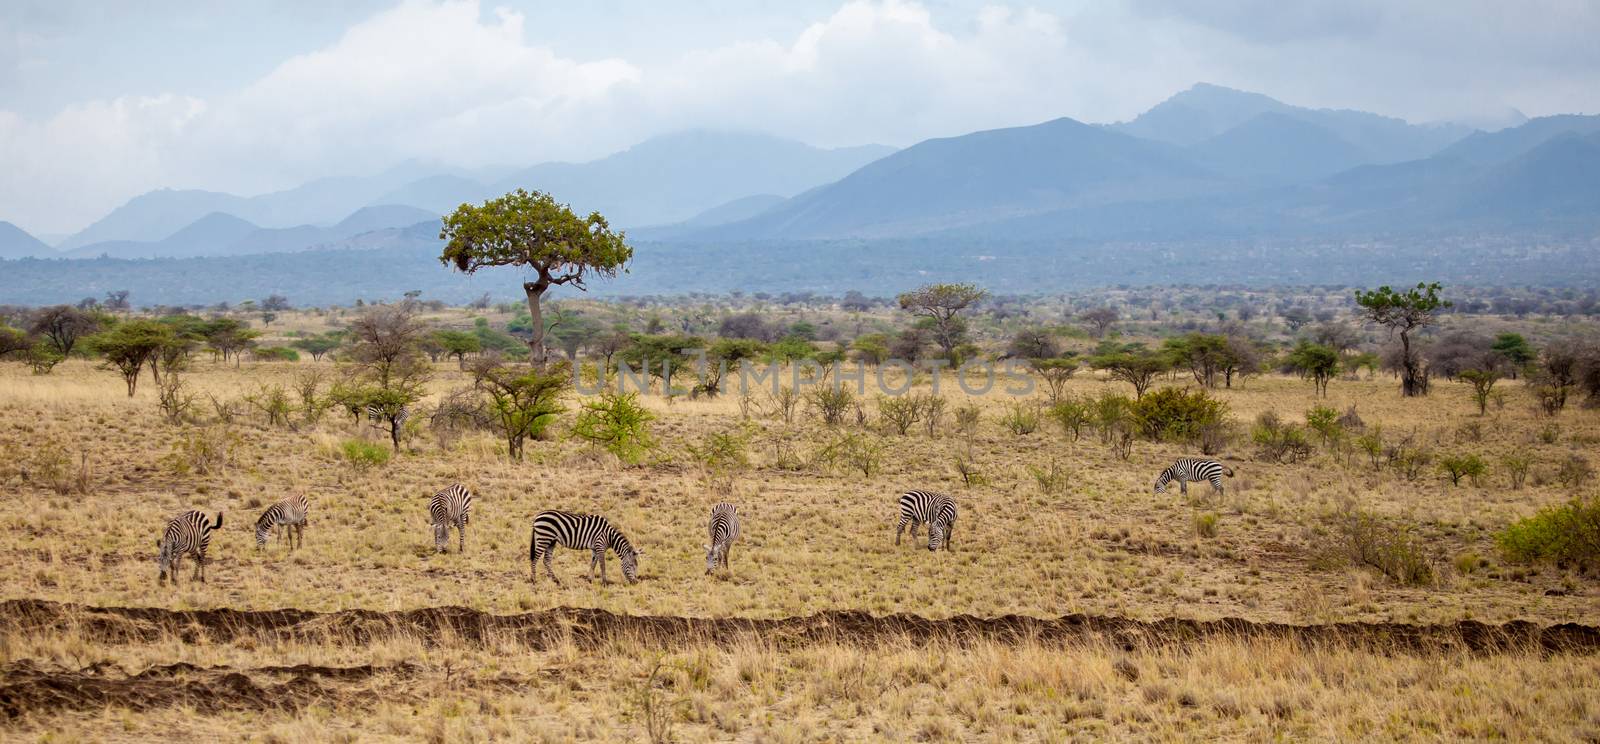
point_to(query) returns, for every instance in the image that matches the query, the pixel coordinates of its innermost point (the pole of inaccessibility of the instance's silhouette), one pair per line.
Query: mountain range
(1208, 163)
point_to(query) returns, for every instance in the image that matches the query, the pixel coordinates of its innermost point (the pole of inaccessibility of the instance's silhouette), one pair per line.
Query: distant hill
(1278, 147)
(219, 234)
(1498, 147)
(17, 243)
(661, 180)
(981, 177)
(1205, 111)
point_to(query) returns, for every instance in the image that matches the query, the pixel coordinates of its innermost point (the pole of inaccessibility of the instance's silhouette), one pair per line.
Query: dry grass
(815, 537)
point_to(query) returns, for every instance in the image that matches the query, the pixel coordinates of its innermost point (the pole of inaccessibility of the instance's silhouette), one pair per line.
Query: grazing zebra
(724, 531)
(379, 414)
(937, 510)
(580, 532)
(449, 508)
(1195, 469)
(186, 533)
(291, 514)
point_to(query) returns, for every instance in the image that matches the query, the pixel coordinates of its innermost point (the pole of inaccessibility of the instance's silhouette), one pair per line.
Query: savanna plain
(1075, 603)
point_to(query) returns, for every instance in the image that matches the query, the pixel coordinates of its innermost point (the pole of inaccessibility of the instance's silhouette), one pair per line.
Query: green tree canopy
(533, 231)
(942, 304)
(1402, 313)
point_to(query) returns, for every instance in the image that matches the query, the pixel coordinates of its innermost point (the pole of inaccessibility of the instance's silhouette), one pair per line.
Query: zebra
(186, 533)
(935, 509)
(580, 532)
(724, 531)
(1195, 469)
(291, 514)
(378, 414)
(450, 508)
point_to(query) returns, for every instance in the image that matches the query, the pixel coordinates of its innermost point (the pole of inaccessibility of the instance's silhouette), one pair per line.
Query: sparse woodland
(1472, 500)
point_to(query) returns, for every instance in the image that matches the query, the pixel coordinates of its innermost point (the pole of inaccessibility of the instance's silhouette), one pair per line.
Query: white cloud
(452, 81)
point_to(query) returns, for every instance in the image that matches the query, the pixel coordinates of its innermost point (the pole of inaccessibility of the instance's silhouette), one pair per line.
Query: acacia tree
(1101, 318)
(532, 230)
(1402, 313)
(522, 402)
(942, 304)
(131, 345)
(63, 325)
(1315, 362)
(1137, 368)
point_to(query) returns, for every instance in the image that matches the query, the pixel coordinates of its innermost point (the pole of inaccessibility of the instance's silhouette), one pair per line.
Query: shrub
(967, 468)
(1366, 540)
(1463, 466)
(275, 354)
(899, 414)
(1325, 422)
(722, 452)
(854, 451)
(202, 452)
(1175, 414)
(1566, 534)
(1022, 420)
(1113, 416)
(1278, 441)
(1072, 415)
(1410, 460)
(364, 455)
(1516, 467)
(1205, 525)
(1371, 443)
(1214, 438)
(1052, 480)
(618, 423)
(1550, 434)
(175, 398)
(967, 419)
(832, 401)
(1574, 471)
(273, 402)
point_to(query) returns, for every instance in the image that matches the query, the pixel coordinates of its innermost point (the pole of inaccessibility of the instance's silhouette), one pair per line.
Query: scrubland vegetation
(1473, 500)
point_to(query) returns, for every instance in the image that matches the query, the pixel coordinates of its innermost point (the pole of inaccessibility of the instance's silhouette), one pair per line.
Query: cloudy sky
(102, 101)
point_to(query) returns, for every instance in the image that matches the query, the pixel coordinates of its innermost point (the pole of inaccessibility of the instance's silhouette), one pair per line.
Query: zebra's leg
(726, 549)
(1216, 484)
(949, 534)
(600, 557)
(901, 528)
(461, 529)
(199, 568)
(1183, 486)
(547, 568)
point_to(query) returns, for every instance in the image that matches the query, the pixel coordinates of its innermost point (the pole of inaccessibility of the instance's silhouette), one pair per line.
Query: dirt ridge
(587, 627)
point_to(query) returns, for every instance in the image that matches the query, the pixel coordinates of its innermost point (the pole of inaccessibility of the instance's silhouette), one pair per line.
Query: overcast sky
(102, 101)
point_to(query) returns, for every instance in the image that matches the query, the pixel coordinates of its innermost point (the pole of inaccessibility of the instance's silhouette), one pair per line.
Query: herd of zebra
(189, 533)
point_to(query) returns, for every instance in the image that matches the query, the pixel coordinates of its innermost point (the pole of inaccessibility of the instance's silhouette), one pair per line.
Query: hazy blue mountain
(220, 234)
(1555, 182)
(438, 194)
(153, 216)
(1278, 147)
(1502, 146)
(17, 243)
(1205, 111)
(669, 179)
(981, 177)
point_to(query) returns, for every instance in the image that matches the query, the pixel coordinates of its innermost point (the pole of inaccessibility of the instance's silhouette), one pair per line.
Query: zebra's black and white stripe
(188, 533)
(580, 532)
(936, 510)
(450, 508)
(379, 414)
(724, 530)
(290, 514)
(1195, 469)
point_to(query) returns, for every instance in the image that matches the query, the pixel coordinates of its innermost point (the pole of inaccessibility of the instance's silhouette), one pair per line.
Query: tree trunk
(1410, 383)
(535, 292)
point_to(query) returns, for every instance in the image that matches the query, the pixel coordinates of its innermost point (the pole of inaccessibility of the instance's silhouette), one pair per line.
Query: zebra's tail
(218, 525)
(1227, 471)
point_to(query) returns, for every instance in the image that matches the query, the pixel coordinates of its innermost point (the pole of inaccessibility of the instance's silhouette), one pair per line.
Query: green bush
(1023, 419)
(1205, 525)
(1391, 549)
(1325, 422)
(1177, 415)
(364, 455)
(617, 422)
(1463, 466)
(1566, 534)
(1072, 415)
(722, 451)
(1278, 441)
(275, 354)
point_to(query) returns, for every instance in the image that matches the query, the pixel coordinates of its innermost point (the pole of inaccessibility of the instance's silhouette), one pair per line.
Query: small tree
(533, 231)
(1315, 362)
(942, 304)
(1055, 373)
(393, 372)
(64, 325)
(617, 422)
(1482, 381)
(458, 344)
(1137, 368)
(129, 347)
(522, 402)
(316, 346)
(275, 303)
(1515, 350)
(1101, 318)
(1402, 313)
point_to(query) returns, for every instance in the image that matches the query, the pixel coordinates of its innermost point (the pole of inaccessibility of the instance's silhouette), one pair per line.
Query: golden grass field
(816, 538)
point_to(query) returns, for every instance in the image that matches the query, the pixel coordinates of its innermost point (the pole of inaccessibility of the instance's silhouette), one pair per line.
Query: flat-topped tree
(1402, 313)
(534, 231)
